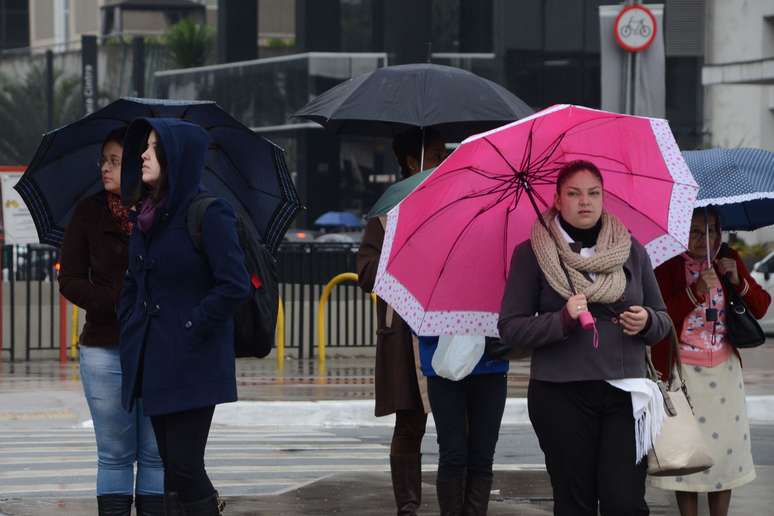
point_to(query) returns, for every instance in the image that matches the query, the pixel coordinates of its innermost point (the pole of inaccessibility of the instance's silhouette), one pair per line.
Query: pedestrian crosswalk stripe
(239, 461)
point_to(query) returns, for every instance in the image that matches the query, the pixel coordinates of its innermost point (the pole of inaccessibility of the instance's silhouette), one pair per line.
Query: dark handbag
(741, 327)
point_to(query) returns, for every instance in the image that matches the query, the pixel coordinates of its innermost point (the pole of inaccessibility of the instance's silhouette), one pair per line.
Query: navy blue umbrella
(738, 183)
(247, 170)
(339, 218)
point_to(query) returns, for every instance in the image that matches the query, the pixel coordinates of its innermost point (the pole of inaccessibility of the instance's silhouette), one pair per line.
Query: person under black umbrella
(421, 106)
(400, 387)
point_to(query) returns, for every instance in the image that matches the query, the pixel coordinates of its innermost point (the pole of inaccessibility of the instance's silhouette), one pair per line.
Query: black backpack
(256, 319)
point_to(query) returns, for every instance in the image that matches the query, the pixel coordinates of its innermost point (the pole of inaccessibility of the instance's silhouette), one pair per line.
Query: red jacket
(671, 280)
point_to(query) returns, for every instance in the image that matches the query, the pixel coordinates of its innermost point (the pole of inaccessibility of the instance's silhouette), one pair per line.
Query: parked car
(763, 273)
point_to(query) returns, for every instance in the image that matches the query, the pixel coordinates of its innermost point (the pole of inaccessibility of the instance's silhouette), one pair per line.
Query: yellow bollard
(280, 336)
(326, 294)
(74, 334)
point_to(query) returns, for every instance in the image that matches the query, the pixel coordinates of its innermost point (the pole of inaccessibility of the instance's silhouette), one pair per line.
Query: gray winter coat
(531, 321)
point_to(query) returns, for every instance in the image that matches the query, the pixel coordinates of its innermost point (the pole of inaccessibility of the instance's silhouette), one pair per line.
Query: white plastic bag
(457, 355)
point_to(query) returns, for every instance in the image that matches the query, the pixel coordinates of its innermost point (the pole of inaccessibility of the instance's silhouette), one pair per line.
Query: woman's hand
(576, 304)
(707, 281)
(634, 320)
(728, 266)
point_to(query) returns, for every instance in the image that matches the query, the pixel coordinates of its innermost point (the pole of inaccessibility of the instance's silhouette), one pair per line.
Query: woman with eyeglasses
(696, 302)
(94, 260)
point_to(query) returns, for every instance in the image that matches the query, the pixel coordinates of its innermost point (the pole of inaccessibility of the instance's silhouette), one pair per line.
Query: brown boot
(407, 482)
(477, 490)
(450, 489)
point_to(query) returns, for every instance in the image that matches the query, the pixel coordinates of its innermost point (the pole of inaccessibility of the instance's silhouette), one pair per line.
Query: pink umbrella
(448, 245)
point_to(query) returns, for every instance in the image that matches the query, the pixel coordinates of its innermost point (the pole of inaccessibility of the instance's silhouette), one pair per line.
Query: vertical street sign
(632, 54)
(89, 73)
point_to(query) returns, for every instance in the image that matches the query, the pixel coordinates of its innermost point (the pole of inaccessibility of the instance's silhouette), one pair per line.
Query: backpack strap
(195, 216)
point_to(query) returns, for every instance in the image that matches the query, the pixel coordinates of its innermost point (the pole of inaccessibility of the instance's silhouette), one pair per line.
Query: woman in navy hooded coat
(177, 305)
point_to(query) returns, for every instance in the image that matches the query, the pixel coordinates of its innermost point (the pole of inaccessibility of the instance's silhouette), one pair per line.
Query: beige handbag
(679, 448)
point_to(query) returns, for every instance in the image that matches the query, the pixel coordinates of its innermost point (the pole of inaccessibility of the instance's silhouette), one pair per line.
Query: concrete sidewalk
(526, 493)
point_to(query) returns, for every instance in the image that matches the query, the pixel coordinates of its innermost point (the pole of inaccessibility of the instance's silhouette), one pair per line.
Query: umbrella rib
(545, 156)
(456, 241)
(436, 213)
(497, 150)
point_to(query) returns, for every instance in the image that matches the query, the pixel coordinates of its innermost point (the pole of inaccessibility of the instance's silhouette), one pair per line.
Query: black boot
(172, 505)
(477, 490)
(210, 506)
(450, 489)
(406, 473)
(114, 505)
(149, 505)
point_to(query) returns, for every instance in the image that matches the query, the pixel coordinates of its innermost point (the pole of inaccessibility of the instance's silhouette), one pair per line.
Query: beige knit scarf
(612, 251)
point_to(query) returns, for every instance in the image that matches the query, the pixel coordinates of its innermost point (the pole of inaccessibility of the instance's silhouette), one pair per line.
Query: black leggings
(181, 438)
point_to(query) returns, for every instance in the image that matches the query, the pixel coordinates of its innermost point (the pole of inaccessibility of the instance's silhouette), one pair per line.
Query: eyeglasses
(112, 163)
(697, 234)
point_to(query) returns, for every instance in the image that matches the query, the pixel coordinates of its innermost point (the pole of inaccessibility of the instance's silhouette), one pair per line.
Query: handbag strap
(674, 353)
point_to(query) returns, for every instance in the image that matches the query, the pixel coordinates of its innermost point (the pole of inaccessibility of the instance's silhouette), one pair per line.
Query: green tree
(24, 113)
(190, 44)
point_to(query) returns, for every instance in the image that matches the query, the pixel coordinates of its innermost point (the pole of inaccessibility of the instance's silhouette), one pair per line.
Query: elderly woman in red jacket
(711, 363)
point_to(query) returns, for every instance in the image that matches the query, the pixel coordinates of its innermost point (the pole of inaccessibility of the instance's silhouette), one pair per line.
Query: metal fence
(35, 324)
(29, 323)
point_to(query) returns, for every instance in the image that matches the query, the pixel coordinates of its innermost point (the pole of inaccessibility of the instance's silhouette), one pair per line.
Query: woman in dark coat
(581, 391)
(177, 306)
(94, 254)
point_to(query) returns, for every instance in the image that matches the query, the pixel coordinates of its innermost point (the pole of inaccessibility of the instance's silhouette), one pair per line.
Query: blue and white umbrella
(738, 183)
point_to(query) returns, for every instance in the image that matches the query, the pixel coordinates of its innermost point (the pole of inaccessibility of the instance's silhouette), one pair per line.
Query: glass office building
(544, 51)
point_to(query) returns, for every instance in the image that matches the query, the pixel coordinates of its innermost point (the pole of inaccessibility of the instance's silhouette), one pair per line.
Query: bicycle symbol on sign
(638, 27)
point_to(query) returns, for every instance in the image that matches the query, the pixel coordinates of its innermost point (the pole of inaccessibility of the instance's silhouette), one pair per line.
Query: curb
(760, 410)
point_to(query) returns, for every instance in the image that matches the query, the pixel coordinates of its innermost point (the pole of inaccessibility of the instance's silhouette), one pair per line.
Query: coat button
(157, 308)
(188, 324)
(139, 258)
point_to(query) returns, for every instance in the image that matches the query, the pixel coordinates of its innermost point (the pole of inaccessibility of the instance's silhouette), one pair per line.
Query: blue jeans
(123, 438)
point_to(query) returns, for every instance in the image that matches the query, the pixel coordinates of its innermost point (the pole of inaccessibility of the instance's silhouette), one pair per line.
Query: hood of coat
(185, 148)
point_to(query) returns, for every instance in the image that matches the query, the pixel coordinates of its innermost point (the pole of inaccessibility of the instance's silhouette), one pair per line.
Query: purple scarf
(147, 215)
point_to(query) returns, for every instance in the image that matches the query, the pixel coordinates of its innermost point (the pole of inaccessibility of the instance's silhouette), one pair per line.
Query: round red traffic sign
(635, 28)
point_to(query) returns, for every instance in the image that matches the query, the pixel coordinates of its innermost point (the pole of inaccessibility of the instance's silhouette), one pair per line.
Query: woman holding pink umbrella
(583, 383)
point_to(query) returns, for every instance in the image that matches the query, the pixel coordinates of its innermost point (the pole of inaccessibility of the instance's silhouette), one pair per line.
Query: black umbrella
(393, 99)
(242, 167)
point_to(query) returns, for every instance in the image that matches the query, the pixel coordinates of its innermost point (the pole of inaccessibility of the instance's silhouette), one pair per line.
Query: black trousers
(467, 417)
(586, 431)
(181, 438)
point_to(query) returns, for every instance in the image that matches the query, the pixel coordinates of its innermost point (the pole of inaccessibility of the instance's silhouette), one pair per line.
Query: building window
(14, 24)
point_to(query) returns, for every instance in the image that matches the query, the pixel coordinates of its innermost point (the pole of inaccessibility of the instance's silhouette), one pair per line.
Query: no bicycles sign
(635, 28)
